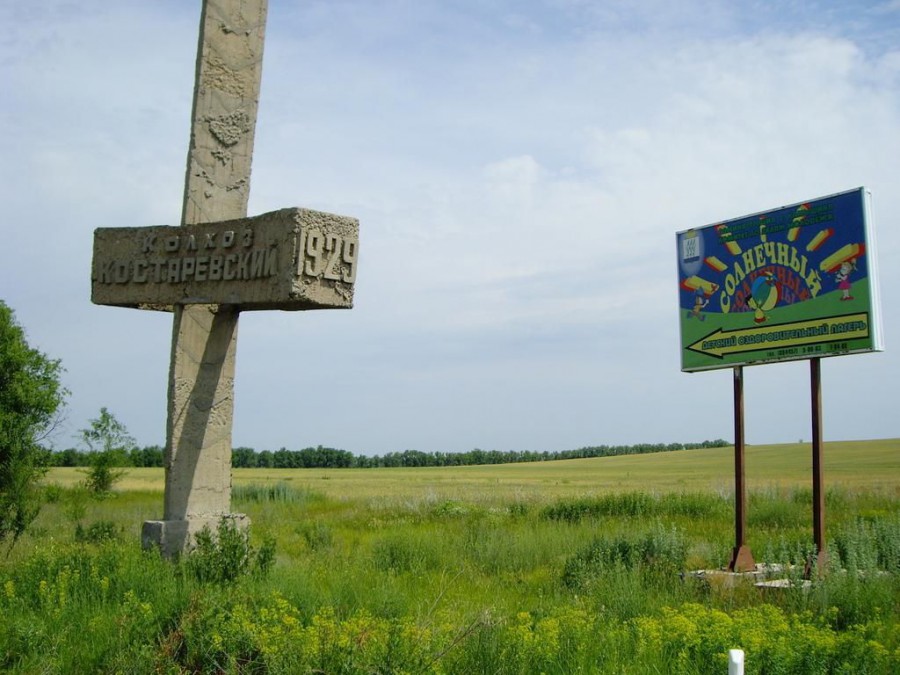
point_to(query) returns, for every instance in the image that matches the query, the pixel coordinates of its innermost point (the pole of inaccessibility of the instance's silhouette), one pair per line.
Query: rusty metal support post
(742, 558)
(817, 468)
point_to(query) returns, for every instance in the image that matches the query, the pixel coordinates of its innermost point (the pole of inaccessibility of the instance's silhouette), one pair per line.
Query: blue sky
(519, 170)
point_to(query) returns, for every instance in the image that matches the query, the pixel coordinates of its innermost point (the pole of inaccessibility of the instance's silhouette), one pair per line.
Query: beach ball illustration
(763, 295)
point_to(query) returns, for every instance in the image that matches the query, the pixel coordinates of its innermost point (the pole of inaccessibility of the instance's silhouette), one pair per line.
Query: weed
(448, 509)
(76, 503)
(318, 535)
(96, 533)
(401, 554)
(869, 544)
(277, 493)
(53, 493)
(466, 580)
(662, 549)
(227, 555)
(638, 504)
(769, 510)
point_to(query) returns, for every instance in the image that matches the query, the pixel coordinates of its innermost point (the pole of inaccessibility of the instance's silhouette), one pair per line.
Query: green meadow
(576, 566)
(856, 465)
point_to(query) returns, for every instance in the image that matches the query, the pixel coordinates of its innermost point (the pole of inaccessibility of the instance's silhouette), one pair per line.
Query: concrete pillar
(204, 340)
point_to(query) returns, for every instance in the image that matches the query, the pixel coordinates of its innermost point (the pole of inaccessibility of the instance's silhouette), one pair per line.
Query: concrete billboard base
(174, 537)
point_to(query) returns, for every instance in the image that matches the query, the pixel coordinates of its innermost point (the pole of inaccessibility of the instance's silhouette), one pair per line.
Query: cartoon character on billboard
(763, 296)
(843, 278)
(700, 301)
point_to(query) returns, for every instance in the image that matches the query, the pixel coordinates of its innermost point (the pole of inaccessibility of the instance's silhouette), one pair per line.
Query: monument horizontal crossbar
(292, 259)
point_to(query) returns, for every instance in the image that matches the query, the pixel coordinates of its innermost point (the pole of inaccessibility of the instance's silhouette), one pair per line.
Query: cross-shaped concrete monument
(215, 265)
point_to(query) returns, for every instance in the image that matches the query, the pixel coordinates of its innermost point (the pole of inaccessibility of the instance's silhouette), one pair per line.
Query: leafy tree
(148, 456)
(243, 458)
(67, 457)
(109, 444)
(31, 398)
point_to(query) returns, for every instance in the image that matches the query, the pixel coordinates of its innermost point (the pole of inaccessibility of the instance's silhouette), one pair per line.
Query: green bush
(102, 530)
(226, 555)
(449, 509)
(869, 544)
(53, 492)
(694, 640)
(76, 608)
(31, 397)
(109, 444)
(794, 548)
(102, 475)
(661, 549)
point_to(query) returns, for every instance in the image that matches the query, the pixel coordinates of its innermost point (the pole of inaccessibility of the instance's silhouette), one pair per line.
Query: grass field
(578, 566)
(856, 465)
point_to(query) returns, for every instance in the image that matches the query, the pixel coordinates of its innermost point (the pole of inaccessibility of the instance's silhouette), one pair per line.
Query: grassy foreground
(560, 567)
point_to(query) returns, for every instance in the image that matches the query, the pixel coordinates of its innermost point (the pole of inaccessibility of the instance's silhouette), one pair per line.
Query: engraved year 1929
(327, 255)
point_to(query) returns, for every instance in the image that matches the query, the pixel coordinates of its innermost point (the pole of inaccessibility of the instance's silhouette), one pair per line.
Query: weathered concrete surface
(292, 259)
(217, 186)
(173, 537)
(226, 97)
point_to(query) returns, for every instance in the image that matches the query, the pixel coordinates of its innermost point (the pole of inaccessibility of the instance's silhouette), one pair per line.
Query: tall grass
(637, 503)
(445, 584)
(275, 493)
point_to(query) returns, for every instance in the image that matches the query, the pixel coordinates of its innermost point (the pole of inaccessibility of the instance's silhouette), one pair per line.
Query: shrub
(661, 549)
(109, 443)
(102, 530)
(30, 397)
(102, 475)
(869, 544)
(53, 493)
(227, 555)
(695, 639)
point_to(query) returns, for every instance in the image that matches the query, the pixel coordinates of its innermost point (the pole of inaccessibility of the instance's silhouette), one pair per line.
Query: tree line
(321, 457)
(32, 397)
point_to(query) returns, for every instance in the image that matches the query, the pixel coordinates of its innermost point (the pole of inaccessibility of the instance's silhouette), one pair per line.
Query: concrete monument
(215, 265)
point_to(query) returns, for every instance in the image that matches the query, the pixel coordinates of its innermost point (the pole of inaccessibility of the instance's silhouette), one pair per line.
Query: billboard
(797, 282)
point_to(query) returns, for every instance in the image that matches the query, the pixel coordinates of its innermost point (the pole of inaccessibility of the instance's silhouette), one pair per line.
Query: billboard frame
(775, 285)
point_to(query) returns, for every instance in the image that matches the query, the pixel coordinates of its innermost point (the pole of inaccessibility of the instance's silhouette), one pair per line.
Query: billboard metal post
(817, 467)
(742, 558)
